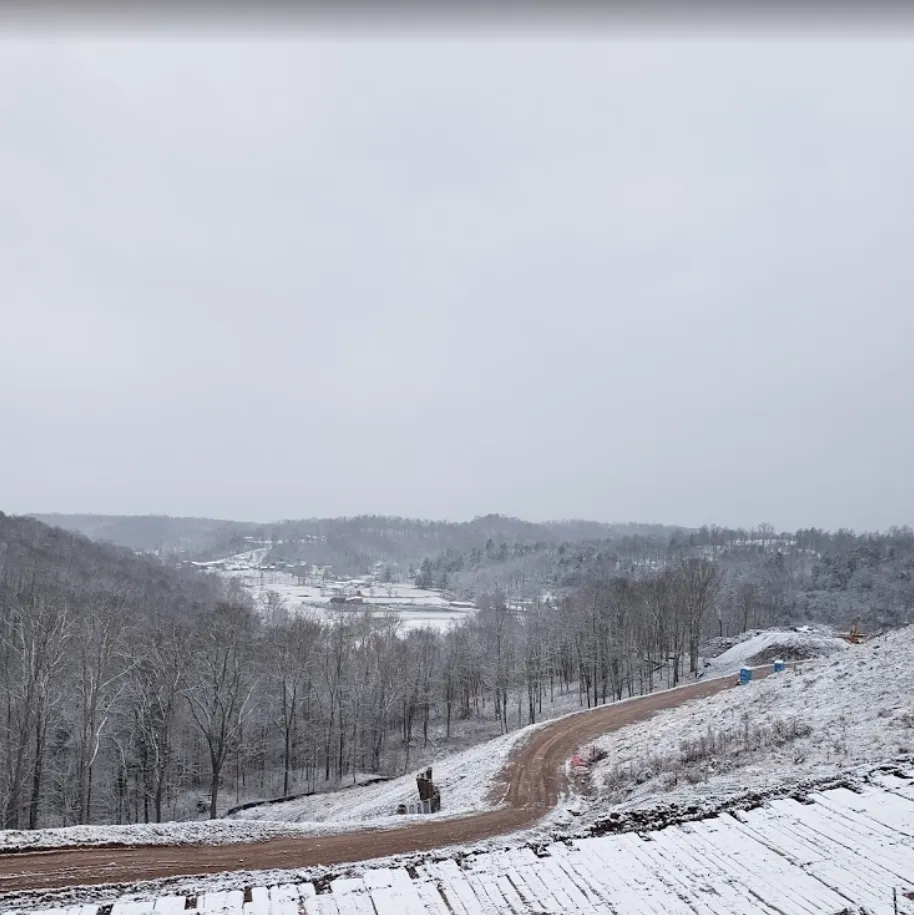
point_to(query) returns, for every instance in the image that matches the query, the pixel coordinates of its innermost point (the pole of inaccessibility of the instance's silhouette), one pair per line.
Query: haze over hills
(351, 544)
(150, 533)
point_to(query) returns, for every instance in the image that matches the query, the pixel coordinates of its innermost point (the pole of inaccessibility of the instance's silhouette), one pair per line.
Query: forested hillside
(82, 630)
(767, 577)
(160, 534)
(350, 545)
(132, 692)
(812, 573)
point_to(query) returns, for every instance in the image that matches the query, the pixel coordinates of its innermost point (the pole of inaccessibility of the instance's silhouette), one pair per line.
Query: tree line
(130, 692)
(130, 695)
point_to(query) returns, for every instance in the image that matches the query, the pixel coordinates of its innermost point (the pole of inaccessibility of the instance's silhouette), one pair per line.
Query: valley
(316, 592)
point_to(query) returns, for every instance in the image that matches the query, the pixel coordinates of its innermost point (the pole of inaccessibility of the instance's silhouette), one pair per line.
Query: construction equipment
(429, 795)
(854, 636)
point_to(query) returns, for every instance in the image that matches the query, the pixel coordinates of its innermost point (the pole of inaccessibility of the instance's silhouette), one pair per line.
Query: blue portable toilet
(745, 675)
(779, 665)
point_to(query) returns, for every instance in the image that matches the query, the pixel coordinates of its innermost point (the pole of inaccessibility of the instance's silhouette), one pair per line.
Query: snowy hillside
(318, 594)
(765, 646)
(463, 778)
(820, 718)
(824, 717)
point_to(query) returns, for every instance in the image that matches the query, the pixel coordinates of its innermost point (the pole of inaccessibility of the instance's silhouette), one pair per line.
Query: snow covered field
(839, 851)
(414, 607)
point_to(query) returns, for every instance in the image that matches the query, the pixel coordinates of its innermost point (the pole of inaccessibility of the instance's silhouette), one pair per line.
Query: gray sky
(635, 278)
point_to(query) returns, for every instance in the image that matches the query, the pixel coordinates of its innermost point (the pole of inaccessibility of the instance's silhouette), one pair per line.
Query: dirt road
(530, 785)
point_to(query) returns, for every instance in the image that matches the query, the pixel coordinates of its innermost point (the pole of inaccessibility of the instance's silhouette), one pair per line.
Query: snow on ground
(816, 719)
(464, 780)
(838, 851)
(238, 562)
(209, 832)
(764, 646)
(415, 607)
(857, 707)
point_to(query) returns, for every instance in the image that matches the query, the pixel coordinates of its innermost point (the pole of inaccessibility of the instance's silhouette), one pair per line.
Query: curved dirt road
(529, 784)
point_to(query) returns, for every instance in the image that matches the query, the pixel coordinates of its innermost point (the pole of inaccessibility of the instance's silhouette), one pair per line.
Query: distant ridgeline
(776, 577)
(350, 545)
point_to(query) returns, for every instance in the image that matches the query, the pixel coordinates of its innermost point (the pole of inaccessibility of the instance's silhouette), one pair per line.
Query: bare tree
(699, 582)
(293, 657)
(220, 685)
(158, 682)
(34, 632)
(101, 669)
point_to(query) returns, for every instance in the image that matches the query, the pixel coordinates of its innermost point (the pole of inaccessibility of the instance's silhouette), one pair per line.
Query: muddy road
(530, 785)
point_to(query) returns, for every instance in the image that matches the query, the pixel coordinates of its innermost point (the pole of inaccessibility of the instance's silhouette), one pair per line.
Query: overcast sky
(631, 278)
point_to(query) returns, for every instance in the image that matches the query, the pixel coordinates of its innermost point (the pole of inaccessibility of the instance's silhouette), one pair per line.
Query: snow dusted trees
(221, 684)
(130, 696)
(292, 656)
(500, 638)
(103, 662)
(156, 696)
(698, 581)
(75, 618)
(34, 635)
(130, 692)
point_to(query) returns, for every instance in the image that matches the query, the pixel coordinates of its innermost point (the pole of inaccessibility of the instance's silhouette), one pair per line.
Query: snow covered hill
(820, 718)
(821, 851)
(464, 779)
(765, 646)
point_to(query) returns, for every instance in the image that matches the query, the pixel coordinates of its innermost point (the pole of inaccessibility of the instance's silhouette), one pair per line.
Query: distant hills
(48, 563)
(345, 543)
(153, 533)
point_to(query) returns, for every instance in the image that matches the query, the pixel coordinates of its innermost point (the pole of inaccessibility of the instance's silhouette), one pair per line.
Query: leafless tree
(220, 685)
